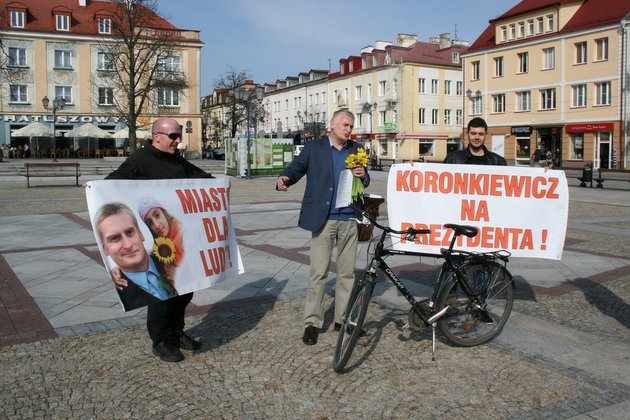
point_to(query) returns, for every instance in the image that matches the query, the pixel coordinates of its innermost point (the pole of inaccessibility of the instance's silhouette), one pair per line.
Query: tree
(140, 63)
(235, 112)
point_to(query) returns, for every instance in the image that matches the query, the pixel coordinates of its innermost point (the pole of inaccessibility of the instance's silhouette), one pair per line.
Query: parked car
(218, 153)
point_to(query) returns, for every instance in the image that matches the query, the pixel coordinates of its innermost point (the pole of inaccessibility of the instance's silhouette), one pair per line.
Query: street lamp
(244, 95)
(57, 103)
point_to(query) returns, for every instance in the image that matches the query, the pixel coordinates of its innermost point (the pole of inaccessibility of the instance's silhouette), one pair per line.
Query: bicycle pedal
(402, 327)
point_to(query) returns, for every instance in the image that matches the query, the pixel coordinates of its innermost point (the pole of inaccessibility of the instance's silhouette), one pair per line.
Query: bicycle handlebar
(367, 219)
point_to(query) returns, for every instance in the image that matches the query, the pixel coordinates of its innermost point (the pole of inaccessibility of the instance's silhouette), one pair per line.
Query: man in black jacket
(476, 153)
(158, 159)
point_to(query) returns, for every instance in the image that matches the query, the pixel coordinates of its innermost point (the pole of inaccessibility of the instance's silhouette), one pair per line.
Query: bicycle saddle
(469, 231)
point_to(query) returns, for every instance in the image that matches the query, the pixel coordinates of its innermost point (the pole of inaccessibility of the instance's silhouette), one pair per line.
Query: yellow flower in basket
(357, 159)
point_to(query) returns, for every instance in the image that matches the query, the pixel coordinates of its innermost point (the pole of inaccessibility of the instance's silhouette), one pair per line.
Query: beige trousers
(343, 235)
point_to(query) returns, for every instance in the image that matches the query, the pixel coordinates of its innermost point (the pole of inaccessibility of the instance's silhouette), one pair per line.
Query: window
(104, 61)
(530, 27)
(523, 62)
(577, 146)
(447, 87)
(447, 117)
(498, 103)
(422, 88)
(19, 94)
(170, 97)
(541, 25)
(422, 116)
(550, 23)
(357, 92)
(498, 66)
(580, 53)
(168, 64)
(547, 99)
(357, 122)
(364, 62)
(388, 57)
(602, 95)
(426, 147)
(105, 96)
(459, 87)
(17, 18)
(351, 66)
(17, 57)
(435, 116)
(63, 59)
(521, 29)
(286, 104)
(455, 58)
(346, 96)
(523, 101)
(459, 118)
(382, 118)
(434, 85)
(382, 87)
(335, 94)
(368, 92)
(512, 31)
(503, 33)
(475, 70)
(64, 92)
(63, 22)
(475, 105)
(549, 58)
(374, 61)
(579, 96)
(104, 26)
(602, 49)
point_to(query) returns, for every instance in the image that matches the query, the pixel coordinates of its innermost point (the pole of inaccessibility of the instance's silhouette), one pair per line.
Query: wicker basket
(371, 206)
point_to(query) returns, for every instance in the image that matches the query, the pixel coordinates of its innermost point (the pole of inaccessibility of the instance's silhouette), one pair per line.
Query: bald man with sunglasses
(159, 159)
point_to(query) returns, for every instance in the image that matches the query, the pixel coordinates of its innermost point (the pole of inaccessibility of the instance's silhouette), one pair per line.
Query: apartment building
(548, 74)
(297, 106)
(55, 49)
(407, 97)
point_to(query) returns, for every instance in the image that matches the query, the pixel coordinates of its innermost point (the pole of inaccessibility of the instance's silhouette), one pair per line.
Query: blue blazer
(315, 161)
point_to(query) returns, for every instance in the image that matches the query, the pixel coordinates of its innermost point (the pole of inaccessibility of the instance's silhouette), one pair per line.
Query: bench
(50, 170)
(599, 179)
(377, 164)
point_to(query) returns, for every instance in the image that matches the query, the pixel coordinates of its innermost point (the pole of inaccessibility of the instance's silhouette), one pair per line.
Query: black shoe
(167, 352)
(186, 342)
(337, 327)
(310, 335)
(483, 317)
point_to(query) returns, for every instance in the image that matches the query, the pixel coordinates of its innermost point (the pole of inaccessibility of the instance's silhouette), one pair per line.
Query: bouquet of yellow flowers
(356, 159)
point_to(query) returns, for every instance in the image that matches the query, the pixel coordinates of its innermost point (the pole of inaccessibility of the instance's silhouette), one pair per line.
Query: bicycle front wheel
(353, 320)
(474, 320)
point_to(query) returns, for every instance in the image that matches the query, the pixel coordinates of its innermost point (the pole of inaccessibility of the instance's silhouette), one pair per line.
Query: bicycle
(471, 301)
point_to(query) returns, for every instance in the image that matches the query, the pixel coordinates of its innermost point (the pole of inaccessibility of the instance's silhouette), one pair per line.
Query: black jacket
(151, 163)
(464, 156)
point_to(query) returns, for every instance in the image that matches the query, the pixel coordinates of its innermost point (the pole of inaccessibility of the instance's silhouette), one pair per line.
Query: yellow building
(56, 49)
(407, 98)
(547, 74)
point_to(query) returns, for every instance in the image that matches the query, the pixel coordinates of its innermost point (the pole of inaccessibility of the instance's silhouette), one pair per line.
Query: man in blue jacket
(323, 161)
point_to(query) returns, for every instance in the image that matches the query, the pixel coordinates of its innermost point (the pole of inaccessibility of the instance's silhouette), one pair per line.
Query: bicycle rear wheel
(471, 321)
(353, 320)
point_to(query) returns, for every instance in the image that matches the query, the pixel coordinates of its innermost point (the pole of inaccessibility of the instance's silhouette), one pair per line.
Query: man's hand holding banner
(522, 210)
(163, 238)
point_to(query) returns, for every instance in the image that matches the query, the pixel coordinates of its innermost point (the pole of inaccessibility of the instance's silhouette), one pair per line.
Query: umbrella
(34, 129)
(124, 134)
(89, 130)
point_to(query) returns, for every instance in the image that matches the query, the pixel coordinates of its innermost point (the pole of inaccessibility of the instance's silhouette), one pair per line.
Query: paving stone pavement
(68, 351)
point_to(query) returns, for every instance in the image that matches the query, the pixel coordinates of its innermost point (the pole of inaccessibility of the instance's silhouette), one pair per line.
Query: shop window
(522, 148)
(577, 146)
(426, 148)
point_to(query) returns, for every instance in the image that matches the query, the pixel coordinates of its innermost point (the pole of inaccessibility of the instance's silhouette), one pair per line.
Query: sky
(273, 39)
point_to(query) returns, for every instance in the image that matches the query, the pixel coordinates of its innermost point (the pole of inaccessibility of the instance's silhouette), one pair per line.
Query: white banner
(168, 237)
(521, 210)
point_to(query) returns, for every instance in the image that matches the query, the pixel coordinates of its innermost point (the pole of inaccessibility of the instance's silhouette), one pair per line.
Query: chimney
(83, 3)
(406, 40)
(445, 40)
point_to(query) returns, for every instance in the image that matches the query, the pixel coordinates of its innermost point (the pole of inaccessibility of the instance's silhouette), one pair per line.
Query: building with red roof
(550, 74)
(56, 49)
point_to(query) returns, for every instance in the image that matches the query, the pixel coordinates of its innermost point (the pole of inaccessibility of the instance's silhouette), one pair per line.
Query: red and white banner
(168, 237)
(521, 210)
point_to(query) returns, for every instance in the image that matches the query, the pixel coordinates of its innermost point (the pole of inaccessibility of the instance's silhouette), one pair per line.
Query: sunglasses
(172, 136)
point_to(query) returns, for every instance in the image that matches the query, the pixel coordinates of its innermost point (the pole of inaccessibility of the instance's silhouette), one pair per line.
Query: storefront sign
(13, 118)
(522, 130)
(582, 128)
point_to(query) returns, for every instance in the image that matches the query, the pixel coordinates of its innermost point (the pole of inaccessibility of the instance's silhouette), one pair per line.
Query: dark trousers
(166, 318)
